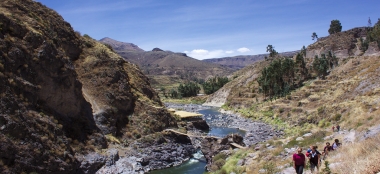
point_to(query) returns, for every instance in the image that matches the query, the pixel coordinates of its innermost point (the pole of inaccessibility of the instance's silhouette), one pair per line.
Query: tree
(303, 51)
(314, 36)
(335, 27)
(369, 22)
(321, 65)
(272, 51)
(277, 79)
(374, 34)
(188, 89)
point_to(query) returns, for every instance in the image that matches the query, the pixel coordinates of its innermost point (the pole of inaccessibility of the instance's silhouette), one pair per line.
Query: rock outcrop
(210, 146)
(153, 152)
(343, 44)
(61, 93)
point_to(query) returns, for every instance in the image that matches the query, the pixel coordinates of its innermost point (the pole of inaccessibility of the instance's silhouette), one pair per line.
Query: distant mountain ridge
(239, 62)
(120, 46)
(167, 67)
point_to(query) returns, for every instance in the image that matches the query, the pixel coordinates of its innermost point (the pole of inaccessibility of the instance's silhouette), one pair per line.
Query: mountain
(167, 68)
(239, 62)
(120, 46)
(66, 98)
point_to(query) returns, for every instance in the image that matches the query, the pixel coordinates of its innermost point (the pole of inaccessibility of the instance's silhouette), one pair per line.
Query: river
(196, 165)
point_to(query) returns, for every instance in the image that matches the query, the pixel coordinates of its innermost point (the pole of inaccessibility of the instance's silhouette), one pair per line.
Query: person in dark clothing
(337, 127)
(299, 161)
(326, 150)
(314, 159)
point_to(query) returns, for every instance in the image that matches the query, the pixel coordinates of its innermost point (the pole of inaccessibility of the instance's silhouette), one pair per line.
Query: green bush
(322, 123)
(337, 117)
(219, 156)
(270, 168)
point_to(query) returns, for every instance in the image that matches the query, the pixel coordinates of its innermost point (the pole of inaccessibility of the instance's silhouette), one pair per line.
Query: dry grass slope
(362, 157)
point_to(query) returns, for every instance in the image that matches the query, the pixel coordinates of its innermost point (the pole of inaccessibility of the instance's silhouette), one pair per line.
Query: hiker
(299, 161)
(326, 150)
(314, 159)
(333, 128)
(337, 127)
(336, 144)
(308, 151)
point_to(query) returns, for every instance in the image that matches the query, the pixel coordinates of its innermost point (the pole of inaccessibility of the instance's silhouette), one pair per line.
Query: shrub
(322, 123)
(219, 163)
(87, 36)
(270, 168)
(327, 169)
(219, 156)
(136, 134)
(321, 110)
(129, 134)
(337, 117)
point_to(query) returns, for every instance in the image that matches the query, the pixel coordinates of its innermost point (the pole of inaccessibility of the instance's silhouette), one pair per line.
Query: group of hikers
(314, 156)
(337, 128)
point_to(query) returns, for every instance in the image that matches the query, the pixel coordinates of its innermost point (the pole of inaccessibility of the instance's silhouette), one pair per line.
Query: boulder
(201, 125)
(308, 135)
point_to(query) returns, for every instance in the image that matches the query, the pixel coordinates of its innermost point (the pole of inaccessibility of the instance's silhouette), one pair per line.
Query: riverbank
(168, 149)
(255, 131)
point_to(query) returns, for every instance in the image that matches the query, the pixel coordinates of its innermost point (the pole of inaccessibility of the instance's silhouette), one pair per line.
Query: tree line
(214, 84)
(190, 89)
(281, 76)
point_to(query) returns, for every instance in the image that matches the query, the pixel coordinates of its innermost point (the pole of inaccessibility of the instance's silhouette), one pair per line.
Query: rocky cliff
(62, 93)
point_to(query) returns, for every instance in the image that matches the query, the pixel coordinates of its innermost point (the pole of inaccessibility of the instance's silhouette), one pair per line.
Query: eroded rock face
(57, 100)
(44, 115)
(198, 125)
(211, 146)
(153, 152)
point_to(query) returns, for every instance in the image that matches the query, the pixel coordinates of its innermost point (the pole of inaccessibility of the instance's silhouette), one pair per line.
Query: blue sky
(213, 28)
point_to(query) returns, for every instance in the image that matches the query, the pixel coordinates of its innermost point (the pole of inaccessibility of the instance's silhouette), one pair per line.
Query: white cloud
(206, 54)
(243, 50)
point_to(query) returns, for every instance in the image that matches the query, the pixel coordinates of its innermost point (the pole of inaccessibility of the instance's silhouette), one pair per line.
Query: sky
(213, 28)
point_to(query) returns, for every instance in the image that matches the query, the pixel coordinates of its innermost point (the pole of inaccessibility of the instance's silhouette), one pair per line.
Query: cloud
(243, 50)
(206, 54)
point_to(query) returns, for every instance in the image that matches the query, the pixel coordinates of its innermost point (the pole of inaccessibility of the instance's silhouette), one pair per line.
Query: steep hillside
(239, 62)
(349, 96)
(343, 44)
(62, 93)
(167, 68)
(351, 89)
(120, 94)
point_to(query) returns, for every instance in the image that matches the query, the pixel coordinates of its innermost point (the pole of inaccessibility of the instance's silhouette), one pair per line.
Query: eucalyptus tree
(314, 36)
(335, 27)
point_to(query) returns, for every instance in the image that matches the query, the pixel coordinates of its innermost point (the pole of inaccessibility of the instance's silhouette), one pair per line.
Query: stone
(240, 162)
(92, 162)
(299, 139)
(308, 135)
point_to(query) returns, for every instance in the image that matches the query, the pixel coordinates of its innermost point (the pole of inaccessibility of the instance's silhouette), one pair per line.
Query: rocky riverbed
(255, 131)
(167, 149)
